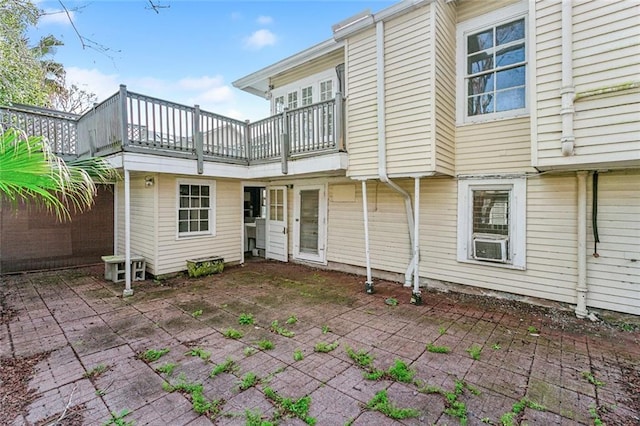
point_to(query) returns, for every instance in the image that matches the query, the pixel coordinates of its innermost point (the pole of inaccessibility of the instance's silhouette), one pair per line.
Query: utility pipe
(128, 291)
(382, 146)
(581, 285)
(365, 210)
(416, 297)
(568, 90)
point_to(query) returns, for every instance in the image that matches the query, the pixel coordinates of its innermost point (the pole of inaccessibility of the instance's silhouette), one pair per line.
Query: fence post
(284, 148)
(197, 139)
(247, 140)
(123, 115)
(339, 127)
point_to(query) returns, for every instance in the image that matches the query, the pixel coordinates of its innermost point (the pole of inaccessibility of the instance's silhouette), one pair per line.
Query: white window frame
(517, 219)
(307, 100)
(296, 86)
(323, 93)
(472, 26)
(212, 208)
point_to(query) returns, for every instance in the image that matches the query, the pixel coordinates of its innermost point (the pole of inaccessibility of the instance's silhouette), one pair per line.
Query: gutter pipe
(382, 148)
(581, 285)
(369, 282)
(568, 90)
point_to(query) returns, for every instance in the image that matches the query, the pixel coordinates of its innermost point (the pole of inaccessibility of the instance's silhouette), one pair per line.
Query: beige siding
(329, 61)
(614, 276)
(408, 100)
(445, 87)
(388, 232)
(468, 9)
(143, 220)
(495, 146)
(606, 55)
(361, 107)
(173, 252)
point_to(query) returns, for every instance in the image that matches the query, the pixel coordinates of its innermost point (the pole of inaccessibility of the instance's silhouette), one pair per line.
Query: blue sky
(191, 51)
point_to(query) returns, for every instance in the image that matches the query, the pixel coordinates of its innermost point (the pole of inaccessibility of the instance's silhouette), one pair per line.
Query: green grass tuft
(228, 366)
(380, 402)
(232, 333)
(199, 352)
(245, 319)
(325, 347)
(152, 355)
(438, 349)
(266, 344)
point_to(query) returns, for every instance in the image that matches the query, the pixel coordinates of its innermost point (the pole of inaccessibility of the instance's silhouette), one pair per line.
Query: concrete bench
(114, 268)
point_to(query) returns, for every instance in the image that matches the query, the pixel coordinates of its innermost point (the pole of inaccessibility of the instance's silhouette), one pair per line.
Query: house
(493, 145)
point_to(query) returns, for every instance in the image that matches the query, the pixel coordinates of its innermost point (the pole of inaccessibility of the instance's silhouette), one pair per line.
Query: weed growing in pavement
(593, 412)
(362, 358)
(474, 351)
(100, 392)
(509, 419)
(325, 329)
(380, 402)
(438, 349)
(496, 346)
(245, 319)
(255, 418)
(275, 327)
(401, 372)
(288, 408)
(298, 355)
(325, 347)
(199, 352)
(248, 380)
(117, 419)
(442, 331)
(228, 366)
(152, 355)
(588, 376)
(198, 400)
(196, 314)
(248, 351)
(292, 320)
(232, 333)
(95, 371)
(532, 330)
(265, 344)
(166, 368)
(374, 374)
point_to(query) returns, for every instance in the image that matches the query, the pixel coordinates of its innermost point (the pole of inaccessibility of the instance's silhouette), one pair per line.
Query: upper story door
(277, 238)
(309, 226)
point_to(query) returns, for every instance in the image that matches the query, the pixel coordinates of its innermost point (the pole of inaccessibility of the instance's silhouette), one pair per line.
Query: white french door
(309, 226)
(277, 239)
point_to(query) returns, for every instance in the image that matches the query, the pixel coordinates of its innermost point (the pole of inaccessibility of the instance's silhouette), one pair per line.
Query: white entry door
(309, 226)
(277, 244)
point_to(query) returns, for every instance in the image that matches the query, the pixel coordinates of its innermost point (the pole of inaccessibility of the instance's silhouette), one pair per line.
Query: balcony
(131, 122)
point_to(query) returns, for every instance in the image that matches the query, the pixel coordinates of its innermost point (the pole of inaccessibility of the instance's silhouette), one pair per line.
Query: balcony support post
(247, 141)
(284, 149)
(123, 112)
(197, 139)
(339, 101)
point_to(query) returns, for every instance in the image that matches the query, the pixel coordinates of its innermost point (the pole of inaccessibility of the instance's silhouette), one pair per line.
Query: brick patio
(537, 355)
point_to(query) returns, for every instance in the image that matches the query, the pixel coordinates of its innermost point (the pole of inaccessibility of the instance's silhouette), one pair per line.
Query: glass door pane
(309, 206)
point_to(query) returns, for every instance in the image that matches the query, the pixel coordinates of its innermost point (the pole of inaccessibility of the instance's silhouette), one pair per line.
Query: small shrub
(152, 355)
(232, 333)
(380, 402)
(245, 319)
(266, 344)
(438, 349)
(298, 355)
(325, 347)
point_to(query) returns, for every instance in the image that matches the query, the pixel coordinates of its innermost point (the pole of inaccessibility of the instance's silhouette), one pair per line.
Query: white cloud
(265, 20)
(260, 39)
(56, 17)
(93, 81)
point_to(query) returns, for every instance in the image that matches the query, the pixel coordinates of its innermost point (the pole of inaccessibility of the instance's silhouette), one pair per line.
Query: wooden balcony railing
(134, 122)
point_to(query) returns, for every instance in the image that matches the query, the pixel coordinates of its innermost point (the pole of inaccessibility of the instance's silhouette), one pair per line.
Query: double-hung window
(492, 221)
(493, 55)
(195, 208)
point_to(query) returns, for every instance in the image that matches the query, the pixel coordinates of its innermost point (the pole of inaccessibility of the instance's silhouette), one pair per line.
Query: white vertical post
(365, 212)
(128, 291)
(416, 237)
(581, 285)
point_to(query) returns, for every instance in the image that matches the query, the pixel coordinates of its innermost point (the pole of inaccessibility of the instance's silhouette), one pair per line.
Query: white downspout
(416, 297)
(568, 90)
(128, 291)
(382, 145)
(581, 285)
(365, 210)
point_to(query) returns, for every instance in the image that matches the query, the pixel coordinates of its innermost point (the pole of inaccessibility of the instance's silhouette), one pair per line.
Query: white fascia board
(257, 83)
(182, 166)
(359, 23)
(320, 164)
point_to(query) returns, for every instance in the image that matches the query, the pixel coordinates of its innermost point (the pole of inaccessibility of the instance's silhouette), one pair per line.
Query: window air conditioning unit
(490, 248)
